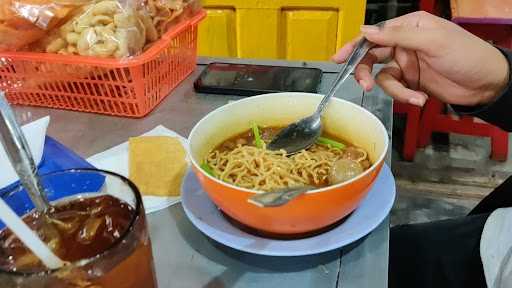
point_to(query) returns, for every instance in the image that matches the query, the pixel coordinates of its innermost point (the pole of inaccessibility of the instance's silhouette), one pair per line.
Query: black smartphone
(249, 80)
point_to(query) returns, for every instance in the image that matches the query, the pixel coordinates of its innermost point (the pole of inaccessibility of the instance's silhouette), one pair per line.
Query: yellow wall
(279, 29)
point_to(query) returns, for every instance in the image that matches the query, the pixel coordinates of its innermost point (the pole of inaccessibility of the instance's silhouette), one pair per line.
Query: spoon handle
(18, 151)
(362, 47)
(278, 197)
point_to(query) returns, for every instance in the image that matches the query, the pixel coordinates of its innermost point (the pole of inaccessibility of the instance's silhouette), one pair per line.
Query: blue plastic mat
(56, 157)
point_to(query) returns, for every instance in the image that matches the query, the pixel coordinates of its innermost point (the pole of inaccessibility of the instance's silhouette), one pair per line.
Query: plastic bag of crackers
(98, 28)
(25, 21)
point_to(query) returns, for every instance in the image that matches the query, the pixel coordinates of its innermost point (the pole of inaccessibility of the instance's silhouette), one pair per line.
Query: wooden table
(184, 257)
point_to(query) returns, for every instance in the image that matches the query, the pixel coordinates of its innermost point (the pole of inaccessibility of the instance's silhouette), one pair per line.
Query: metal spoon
(278, 197)
(302, 134)
(18, 151)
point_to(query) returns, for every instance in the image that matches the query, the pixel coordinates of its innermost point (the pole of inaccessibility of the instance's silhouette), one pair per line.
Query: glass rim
(83, 262)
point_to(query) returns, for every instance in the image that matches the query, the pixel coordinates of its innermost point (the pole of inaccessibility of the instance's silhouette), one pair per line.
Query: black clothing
(447, 253)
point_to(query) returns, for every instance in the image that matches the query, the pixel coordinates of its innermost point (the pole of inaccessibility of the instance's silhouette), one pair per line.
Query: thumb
(409, 37)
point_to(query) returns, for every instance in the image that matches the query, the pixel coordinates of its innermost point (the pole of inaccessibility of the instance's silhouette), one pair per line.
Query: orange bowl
(314, 210)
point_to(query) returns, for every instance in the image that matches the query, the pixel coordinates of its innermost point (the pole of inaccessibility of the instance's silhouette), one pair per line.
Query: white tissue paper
(116, 159)
(35, 133)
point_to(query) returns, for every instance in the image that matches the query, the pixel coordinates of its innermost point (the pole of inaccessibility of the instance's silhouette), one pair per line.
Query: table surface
(184, 257)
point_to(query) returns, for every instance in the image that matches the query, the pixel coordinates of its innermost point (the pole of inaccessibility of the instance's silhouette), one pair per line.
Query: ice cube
(67, 226)
(11, 242)
(108, 222)
(100, 207)
(50, 234)
(54, 244)
(27, 260)
(89, 230)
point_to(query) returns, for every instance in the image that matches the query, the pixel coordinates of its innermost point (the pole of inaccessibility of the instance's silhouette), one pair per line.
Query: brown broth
(267, 134)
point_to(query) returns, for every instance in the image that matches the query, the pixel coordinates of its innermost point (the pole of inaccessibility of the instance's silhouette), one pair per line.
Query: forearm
(498, 112)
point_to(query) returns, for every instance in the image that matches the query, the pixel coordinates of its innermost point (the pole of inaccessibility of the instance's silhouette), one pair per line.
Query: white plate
(370, 213)
(116, 159)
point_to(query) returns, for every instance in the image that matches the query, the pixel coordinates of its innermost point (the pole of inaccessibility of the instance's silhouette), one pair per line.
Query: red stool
(428, 6)
(412, 126)
(435, 120)
(490, 22)
(412, 112)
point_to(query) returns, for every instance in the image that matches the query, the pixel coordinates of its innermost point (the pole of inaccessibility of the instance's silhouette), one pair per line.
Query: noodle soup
(243, 161)
(314, 209)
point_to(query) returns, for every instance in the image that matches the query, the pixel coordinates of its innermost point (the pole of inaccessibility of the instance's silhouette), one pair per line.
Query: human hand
(428, 56)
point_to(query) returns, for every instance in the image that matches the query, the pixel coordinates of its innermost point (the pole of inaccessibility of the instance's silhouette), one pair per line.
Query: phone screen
(254, 79)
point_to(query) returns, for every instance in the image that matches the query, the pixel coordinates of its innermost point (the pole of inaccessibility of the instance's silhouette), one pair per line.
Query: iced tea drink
(97, 225)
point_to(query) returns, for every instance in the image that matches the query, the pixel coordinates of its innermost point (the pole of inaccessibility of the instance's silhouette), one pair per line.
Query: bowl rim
(318, 190)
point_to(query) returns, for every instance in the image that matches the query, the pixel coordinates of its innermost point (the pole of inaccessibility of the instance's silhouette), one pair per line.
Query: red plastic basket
(131, 87)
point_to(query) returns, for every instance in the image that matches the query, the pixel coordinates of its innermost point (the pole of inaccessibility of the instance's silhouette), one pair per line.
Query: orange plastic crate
(131, 87)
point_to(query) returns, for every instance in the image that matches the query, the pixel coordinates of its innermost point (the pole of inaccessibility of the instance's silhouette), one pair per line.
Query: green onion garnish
(208, 169)
(257, 137)
(330, 142)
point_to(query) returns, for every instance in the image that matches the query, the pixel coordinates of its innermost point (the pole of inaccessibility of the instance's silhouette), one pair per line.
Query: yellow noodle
(265, 170)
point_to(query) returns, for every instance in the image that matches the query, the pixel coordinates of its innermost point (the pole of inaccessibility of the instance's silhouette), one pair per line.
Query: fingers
(363, 72)
(419, 18)
(389, 79)
(382, 53)
(409, 37)
(345, 51)
(409, 34)
(416, 31)
(409, 65)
